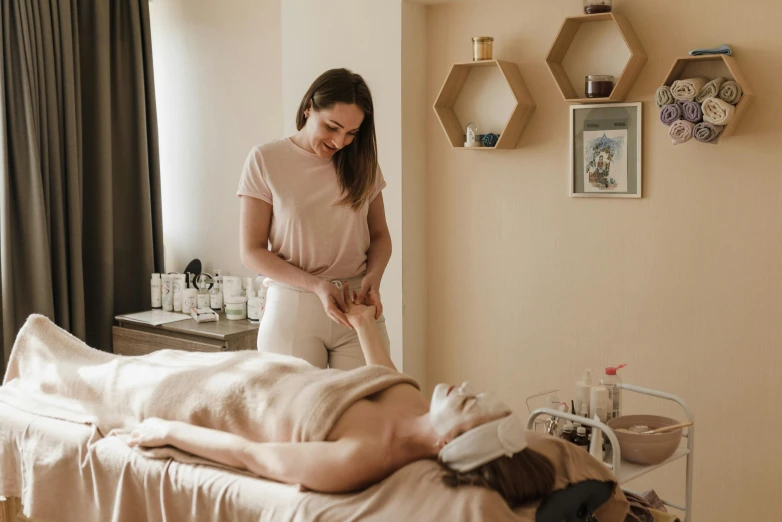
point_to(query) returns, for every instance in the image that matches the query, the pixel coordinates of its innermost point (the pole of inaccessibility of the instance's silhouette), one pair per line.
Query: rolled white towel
(717, 111)
(688, 89)
(681, 131)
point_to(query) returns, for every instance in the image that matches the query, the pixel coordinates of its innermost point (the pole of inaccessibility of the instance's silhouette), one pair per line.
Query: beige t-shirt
(309, 229)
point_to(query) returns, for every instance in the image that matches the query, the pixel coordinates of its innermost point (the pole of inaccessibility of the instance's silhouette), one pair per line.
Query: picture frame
(605, 150)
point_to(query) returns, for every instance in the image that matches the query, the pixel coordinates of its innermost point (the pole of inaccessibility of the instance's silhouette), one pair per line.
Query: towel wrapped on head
(730, 92)
(664, 97)
(681, 131)
(688, 89)
(710, 90)
(691, 111)
(706, 132)
(717, 111)
(670, 113)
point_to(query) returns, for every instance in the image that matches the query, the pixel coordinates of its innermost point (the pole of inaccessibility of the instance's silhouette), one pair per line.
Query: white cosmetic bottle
(252, 305)
(166, 297)
(177, 286)
(582, 391)
(189, 295)
(156, 296)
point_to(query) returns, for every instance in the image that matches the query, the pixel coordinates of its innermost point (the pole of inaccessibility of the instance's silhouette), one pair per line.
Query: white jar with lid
(235, 307)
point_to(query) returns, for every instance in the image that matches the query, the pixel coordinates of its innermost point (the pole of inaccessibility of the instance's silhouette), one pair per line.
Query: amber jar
(597, 6)
(598, 86)
(481, 48)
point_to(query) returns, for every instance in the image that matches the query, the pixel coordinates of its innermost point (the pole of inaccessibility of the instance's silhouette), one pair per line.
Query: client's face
(456, 409)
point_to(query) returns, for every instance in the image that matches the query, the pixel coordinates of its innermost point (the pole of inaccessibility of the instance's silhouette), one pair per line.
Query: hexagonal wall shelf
(699, 67)
(452, 88)
(564, 40)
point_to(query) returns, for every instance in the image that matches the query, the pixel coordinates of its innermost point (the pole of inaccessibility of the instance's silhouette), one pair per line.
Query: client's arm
(329, 467)
(362, 318)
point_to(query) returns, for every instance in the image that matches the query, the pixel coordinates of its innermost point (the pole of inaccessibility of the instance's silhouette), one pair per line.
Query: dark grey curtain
(80, 215)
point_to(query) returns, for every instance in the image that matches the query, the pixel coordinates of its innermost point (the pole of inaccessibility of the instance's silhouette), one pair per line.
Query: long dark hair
(356, 164)
(524, 477)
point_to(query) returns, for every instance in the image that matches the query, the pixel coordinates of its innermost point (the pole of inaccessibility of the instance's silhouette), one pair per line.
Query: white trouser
(295, 323)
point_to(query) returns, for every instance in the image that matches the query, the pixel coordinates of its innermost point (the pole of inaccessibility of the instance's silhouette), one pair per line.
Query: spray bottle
(611, 381)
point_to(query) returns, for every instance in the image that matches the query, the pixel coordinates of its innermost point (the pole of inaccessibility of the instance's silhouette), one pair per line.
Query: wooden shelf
(452, 88)
(564, 40)
(734, 73)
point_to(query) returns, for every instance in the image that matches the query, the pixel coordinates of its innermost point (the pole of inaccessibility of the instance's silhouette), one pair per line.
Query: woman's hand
(153, 432)
(370, 293)
(333, 301)
(359, 313)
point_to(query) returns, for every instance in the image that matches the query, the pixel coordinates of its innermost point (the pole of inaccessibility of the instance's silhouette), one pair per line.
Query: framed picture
(605, 150)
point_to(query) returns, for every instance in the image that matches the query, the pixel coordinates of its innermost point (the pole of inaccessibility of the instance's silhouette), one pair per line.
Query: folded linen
(731, 92)
(688, 89)
(670, 113)
(710, 90)
(691, 111)
(681, 131)
(722, 49)
(706, 132)
(664, 97)
(717, 111)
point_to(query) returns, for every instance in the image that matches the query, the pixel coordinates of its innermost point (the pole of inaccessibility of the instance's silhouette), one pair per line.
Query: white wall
(217, 78)
(364, 36)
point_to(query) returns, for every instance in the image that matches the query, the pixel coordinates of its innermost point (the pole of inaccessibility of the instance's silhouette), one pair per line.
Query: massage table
(64, 408)
(64, 471)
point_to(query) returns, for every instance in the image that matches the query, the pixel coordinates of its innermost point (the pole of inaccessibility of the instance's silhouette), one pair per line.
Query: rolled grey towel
(717, 111)
(664, 96)
(688, 89)
(730, 92)
(681, 131)
(706, 132)
(710, 90)
(691, 111)
(670, 113)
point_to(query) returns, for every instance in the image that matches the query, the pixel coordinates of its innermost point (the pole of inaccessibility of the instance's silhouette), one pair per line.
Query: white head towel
(485, 443)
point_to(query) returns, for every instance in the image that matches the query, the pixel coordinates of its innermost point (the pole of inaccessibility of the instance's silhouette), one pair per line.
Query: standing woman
(312, 219)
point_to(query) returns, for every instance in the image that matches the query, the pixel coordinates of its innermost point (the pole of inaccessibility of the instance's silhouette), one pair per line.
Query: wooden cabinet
(132, 338)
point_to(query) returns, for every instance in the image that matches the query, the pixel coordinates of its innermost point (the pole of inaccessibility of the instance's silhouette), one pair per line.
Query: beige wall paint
(414, 140)
(527, 287)
(218, 86)
(364, 36)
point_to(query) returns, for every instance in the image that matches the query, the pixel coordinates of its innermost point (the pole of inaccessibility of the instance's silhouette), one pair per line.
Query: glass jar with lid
(481, 48)
(598, 86)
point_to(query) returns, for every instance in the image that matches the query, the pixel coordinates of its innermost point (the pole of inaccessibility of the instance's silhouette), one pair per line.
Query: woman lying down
(281, 418)
(474, 435)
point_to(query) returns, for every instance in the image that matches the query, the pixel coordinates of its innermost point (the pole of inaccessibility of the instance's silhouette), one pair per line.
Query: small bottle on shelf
(581, 438)
(567, 432)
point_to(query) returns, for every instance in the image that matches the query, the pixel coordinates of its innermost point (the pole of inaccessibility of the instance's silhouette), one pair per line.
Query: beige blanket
(262, 397)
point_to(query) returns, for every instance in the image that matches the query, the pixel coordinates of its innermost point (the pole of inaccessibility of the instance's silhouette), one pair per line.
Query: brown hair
(525, 476)
(356, 164)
